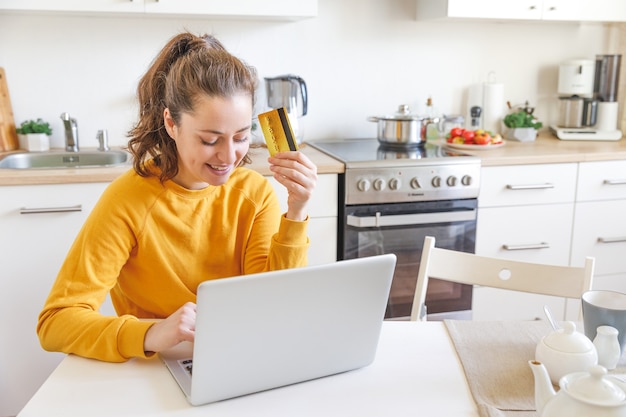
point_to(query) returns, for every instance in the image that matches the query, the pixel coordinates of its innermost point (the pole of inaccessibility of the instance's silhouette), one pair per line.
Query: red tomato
(469, 135)
(456, 131)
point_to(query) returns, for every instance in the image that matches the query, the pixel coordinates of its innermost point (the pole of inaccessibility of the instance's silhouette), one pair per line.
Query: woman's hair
(187, 68)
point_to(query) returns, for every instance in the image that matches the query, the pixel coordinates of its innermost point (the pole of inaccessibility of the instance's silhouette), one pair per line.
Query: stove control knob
(415, 183)
(436, 182)
(379, 184)
(363, 185)
(466, 180)
(451, 181)
(394, 184)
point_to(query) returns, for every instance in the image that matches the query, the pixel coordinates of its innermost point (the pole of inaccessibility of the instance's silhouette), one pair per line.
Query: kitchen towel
(495, 356)
(493, 106)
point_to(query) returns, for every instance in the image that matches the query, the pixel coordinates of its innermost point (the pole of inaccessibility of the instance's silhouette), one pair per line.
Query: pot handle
(373, 119)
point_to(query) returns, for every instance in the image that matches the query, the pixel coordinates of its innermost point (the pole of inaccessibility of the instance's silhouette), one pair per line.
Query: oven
(391, 198)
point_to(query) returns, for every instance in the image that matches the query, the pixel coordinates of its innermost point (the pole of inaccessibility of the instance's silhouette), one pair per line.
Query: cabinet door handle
(529, 186)
(614, 182)
(542, 245)
(611, 239)
(39, 210)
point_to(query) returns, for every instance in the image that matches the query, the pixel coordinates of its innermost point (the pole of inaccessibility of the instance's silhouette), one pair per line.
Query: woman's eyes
(206, 143)
(216, 141)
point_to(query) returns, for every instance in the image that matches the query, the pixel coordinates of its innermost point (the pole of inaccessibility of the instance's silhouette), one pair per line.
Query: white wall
(359, 58)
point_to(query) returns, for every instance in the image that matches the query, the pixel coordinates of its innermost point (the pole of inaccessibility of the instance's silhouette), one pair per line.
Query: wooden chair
(467, 268)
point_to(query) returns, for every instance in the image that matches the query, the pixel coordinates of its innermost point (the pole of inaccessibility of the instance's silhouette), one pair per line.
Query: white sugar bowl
(565, 351)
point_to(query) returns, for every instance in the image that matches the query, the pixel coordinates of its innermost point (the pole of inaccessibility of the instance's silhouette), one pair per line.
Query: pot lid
(568, 340)
(594, 387)
(403, 114)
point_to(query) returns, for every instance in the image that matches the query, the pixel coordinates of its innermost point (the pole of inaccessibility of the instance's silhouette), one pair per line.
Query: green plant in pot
(522, 125)
(34, 135)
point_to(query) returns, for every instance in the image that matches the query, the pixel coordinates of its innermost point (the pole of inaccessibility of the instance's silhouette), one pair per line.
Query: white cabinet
(484, 9)
(584, 10)
(33, 246)
(126, 6)
(525, 213)
(286, 9)
(240, 8)
(600, 222)
(322, 217)
(553, 10)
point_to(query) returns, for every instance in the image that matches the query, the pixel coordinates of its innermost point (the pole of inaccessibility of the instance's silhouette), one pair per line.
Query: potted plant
(34, 135)
(522, 125)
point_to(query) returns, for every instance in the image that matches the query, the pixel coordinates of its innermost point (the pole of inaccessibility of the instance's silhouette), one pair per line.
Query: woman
(186, 213)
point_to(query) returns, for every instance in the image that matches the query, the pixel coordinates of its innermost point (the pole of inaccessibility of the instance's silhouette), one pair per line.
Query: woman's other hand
(295, 171)
(180, 326)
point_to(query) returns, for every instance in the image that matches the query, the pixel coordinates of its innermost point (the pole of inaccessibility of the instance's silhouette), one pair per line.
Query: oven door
(400, 229)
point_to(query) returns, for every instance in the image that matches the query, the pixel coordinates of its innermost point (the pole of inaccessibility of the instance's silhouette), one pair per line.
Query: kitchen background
(359, 58)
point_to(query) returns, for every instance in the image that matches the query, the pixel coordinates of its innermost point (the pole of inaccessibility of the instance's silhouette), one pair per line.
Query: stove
(391, 198)
(377, 173)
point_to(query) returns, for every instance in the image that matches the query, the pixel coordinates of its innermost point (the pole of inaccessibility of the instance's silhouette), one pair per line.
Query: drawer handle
(614, 182)
(39, 210)
(530, 186)
(611, 239)
(542, 245)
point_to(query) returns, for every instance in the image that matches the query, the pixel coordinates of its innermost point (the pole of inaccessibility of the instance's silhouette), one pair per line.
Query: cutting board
(8, 135)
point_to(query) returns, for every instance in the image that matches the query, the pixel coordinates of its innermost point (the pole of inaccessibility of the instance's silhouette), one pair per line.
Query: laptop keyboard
(186, 364)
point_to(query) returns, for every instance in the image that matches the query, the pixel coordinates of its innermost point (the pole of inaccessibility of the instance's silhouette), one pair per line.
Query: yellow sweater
(151, 245)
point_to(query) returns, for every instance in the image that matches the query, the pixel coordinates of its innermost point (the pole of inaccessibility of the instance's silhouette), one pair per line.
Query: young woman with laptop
(188, 212)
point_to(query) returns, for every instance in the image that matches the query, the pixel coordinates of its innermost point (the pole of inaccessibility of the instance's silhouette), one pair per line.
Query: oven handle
(411, 219)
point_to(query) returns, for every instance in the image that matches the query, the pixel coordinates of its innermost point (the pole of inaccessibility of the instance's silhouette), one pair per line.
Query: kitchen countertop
(325, 165)
(547, 149)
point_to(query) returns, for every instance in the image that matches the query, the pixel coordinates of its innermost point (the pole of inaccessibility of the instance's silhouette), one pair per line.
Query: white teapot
(565, 351)
(581, 394)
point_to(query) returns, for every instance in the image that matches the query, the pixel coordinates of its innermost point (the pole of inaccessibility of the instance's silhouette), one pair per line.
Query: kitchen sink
(63, 159)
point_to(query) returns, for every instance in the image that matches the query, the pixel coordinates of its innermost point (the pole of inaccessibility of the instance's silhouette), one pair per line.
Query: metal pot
(402, 129)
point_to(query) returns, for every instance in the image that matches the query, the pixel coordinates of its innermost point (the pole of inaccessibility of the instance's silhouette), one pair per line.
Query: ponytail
(187, 66)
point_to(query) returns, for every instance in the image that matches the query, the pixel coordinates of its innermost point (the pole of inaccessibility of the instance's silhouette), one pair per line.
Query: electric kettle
(288, 91)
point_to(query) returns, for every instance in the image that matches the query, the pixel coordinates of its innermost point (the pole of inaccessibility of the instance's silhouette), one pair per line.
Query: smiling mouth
(218, 168)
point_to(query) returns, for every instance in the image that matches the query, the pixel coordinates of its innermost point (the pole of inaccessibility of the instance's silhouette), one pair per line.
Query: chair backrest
(467, 268)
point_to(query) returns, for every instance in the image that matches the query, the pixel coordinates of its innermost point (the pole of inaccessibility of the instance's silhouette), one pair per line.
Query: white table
(416, 372)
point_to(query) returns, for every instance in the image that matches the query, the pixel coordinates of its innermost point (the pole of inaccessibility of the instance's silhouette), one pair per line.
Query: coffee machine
(289, 91)
(588, 106)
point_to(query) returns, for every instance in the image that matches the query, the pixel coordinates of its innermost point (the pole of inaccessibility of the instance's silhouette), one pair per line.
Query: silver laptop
(267, 330)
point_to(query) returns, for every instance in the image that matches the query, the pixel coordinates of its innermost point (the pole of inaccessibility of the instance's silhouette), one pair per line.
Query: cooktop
(369, 152)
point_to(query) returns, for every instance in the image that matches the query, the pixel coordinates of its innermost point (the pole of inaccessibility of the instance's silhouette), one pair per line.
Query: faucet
(103, 139)
(71, 132)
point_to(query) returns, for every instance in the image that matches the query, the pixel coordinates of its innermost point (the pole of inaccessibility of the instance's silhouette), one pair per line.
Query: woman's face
(212, 140)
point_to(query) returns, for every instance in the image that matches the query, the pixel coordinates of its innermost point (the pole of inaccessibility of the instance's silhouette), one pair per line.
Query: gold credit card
(277, 131)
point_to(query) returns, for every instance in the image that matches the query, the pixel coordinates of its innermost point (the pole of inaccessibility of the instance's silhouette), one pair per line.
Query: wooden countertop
(546, 149)
(325, 165)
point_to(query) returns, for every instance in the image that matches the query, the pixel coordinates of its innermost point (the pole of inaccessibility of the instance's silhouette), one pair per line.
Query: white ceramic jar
(565, 351)
(608, 347)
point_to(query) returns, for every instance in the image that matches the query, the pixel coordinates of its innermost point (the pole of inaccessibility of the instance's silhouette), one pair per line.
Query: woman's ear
(170, 125)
